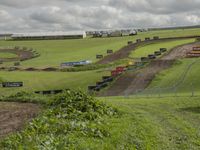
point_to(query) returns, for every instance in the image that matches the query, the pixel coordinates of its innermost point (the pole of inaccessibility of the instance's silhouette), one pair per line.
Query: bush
(70, 115)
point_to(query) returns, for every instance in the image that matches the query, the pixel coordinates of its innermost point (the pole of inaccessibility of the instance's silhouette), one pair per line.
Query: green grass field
(154, 124)
(53, 52)
(145, 50)
(60, 80)
(7, 55)
(34, 81)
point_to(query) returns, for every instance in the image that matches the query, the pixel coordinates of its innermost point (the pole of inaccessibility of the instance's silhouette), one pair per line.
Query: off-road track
(134, 81)
(13, 116)
(126, 50)
(21, 55)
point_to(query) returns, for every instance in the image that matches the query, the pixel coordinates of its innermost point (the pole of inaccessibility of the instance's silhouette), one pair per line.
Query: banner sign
(12, 84)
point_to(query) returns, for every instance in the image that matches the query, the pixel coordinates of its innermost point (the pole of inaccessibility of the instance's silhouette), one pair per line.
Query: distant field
(144, 51)
(51, 80)
(53, 52)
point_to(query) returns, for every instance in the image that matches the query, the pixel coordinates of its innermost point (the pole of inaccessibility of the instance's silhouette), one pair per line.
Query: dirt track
(14, 115)
(125, 51)
(132, 82)
(21, 55)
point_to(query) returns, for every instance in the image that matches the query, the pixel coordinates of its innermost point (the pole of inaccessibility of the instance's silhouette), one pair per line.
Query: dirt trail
(132, 82)
(126, 50)
(13, 116)
(21, 55)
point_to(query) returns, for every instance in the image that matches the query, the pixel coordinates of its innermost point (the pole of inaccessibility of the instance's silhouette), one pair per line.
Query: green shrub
(70, 115)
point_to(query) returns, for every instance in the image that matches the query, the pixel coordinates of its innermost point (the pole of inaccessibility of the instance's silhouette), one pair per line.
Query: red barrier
(120, 69)
(193, 55)
(114, 73)
(196, 48)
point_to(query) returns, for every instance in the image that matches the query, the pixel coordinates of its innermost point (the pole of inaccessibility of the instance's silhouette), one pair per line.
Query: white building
(49, 35)
(5, 36)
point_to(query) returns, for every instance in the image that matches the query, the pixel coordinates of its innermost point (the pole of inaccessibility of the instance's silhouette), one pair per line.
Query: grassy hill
(145, 50)
(188, 79)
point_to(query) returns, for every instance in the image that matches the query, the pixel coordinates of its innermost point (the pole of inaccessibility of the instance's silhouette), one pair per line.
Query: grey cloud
(157, 6)
(63, 15)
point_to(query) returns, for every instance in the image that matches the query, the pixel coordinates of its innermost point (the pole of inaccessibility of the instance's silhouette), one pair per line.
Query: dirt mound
(14, 115)
(135, 81)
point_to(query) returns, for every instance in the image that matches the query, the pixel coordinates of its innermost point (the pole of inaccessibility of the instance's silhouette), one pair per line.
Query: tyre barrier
(138, 40)
(144, 59)
(147, 39)
(99, 56)
(12, 84)
(151, 56)
(157, 53)
(50, 92)
(156, 38)
(109, 51)
(107, 79)
(163, 50)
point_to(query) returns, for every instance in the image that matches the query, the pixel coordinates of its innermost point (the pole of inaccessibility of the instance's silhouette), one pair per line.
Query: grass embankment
(145, 50)
(170, 77)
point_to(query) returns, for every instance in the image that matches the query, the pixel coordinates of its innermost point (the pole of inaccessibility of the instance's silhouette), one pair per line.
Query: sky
(21, 16)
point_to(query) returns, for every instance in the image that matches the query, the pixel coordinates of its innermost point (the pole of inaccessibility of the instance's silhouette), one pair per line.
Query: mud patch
(22, 55)
(13, 116)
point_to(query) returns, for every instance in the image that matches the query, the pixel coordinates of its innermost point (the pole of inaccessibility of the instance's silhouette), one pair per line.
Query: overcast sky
(71, 15)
